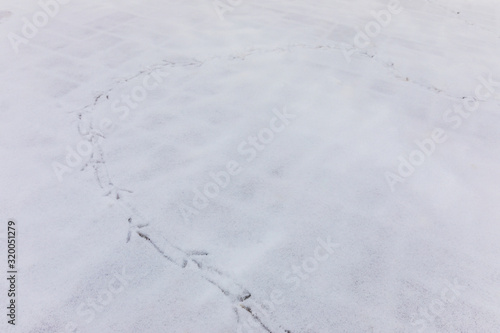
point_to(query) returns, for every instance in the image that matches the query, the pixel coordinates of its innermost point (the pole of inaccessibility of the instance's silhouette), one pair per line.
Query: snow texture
(245, 166)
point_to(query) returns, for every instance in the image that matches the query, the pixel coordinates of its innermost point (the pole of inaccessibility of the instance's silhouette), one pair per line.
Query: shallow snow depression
(245, 166)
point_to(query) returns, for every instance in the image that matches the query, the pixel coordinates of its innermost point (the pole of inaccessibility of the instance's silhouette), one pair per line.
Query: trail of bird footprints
(457, 15)
(240, 298)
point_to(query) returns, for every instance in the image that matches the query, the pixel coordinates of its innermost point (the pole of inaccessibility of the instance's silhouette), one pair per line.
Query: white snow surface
(421, 256)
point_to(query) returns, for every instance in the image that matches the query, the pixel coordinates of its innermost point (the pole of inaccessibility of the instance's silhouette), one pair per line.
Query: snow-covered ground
(251, 166)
